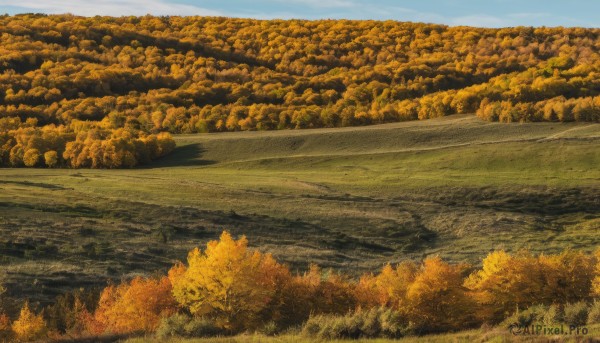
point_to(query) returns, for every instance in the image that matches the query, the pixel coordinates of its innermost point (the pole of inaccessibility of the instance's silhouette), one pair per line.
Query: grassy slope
(348, 198)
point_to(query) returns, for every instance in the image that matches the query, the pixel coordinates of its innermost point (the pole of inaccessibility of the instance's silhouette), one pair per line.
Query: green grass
(350, 198)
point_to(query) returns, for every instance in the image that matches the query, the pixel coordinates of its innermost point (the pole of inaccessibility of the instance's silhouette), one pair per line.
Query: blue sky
(487, 13)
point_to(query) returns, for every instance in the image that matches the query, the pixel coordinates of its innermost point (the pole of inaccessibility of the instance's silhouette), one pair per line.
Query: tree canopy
(205, 74)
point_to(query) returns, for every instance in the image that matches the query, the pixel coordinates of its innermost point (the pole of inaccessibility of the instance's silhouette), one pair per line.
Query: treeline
(228, 288)
(201, 74)
(80, 145)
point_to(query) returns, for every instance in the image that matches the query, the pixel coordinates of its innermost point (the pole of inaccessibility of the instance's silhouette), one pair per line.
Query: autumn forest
(394, 180)
(106, 92)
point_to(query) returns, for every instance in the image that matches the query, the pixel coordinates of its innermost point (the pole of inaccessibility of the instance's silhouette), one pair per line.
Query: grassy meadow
(347, 198)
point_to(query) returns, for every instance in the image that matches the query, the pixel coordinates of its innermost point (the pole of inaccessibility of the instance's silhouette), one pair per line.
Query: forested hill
(94, 92)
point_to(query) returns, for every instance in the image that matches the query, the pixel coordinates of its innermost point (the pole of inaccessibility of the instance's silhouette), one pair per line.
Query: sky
(483, 13)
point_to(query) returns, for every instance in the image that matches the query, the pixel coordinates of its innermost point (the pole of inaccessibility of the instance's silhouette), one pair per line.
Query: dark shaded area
(33, 184)
(183, 156)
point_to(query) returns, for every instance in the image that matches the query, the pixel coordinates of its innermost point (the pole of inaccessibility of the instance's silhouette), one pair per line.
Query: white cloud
(109, 7)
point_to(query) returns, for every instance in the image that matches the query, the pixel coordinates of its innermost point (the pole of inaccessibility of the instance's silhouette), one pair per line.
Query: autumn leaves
(195, 74)
(237, 289)
(80, 145)
(229, 288)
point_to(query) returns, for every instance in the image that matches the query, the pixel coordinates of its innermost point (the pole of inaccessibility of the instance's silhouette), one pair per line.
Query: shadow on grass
(183, 156)
(33, 184)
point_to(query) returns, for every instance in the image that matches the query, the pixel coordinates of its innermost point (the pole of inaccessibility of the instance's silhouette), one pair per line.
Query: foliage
(69, 311)
(373, 323)
(506, 282)
(228, 283)
(197, 74)
(437, 300)
(229, 288)
(5, 328)
(576, 314)
(134, 306)
(182, 325)
(594, 314)
(29, 326)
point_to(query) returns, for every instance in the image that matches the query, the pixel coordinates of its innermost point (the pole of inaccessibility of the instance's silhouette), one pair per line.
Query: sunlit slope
(463, 148)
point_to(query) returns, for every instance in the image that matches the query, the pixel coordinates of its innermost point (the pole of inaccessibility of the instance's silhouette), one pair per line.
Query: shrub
(527, 317)
(576, 313)
(181, 325)
(594, 314)
(552, 315)
(373, 323)
(269, 329)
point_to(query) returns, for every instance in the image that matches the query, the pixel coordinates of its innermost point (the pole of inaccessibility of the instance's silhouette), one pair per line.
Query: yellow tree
(29, 326)
(51, 158)
(568, 276)
(436, 300)
(505, 282)
(228, 283)
(31, 157)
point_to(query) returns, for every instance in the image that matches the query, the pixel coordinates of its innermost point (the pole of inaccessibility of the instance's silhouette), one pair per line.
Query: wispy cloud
(480, 20)
(321, 3)
(529, 15)
(109, 7)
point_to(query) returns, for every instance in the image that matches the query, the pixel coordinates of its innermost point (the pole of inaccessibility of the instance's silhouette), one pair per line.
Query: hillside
(348, 198)
(101, 92)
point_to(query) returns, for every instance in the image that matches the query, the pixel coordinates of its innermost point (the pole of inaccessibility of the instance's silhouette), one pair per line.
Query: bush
(528, 316)
(269, 329)
(181, 325)
(576, 313)
(552, 315)
(373, 323)
(594, 314)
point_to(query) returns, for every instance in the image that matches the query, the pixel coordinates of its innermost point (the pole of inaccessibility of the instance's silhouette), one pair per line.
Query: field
(347, 198)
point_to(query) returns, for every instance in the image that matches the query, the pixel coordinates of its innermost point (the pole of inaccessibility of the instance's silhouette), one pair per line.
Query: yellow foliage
(436, 300)
(29, 326)
(568, 276)
(228, 283)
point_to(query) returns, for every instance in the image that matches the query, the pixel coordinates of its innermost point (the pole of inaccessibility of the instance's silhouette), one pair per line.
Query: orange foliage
(135, 306)
(29, 326)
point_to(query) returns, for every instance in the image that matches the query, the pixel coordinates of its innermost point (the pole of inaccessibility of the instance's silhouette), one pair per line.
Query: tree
(135, 306)
(29, 326)
(506, 282)
(228, 283)
(51, 158)
(436, 300)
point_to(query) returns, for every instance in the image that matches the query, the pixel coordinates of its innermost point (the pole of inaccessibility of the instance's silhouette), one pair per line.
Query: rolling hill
(346, 198)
